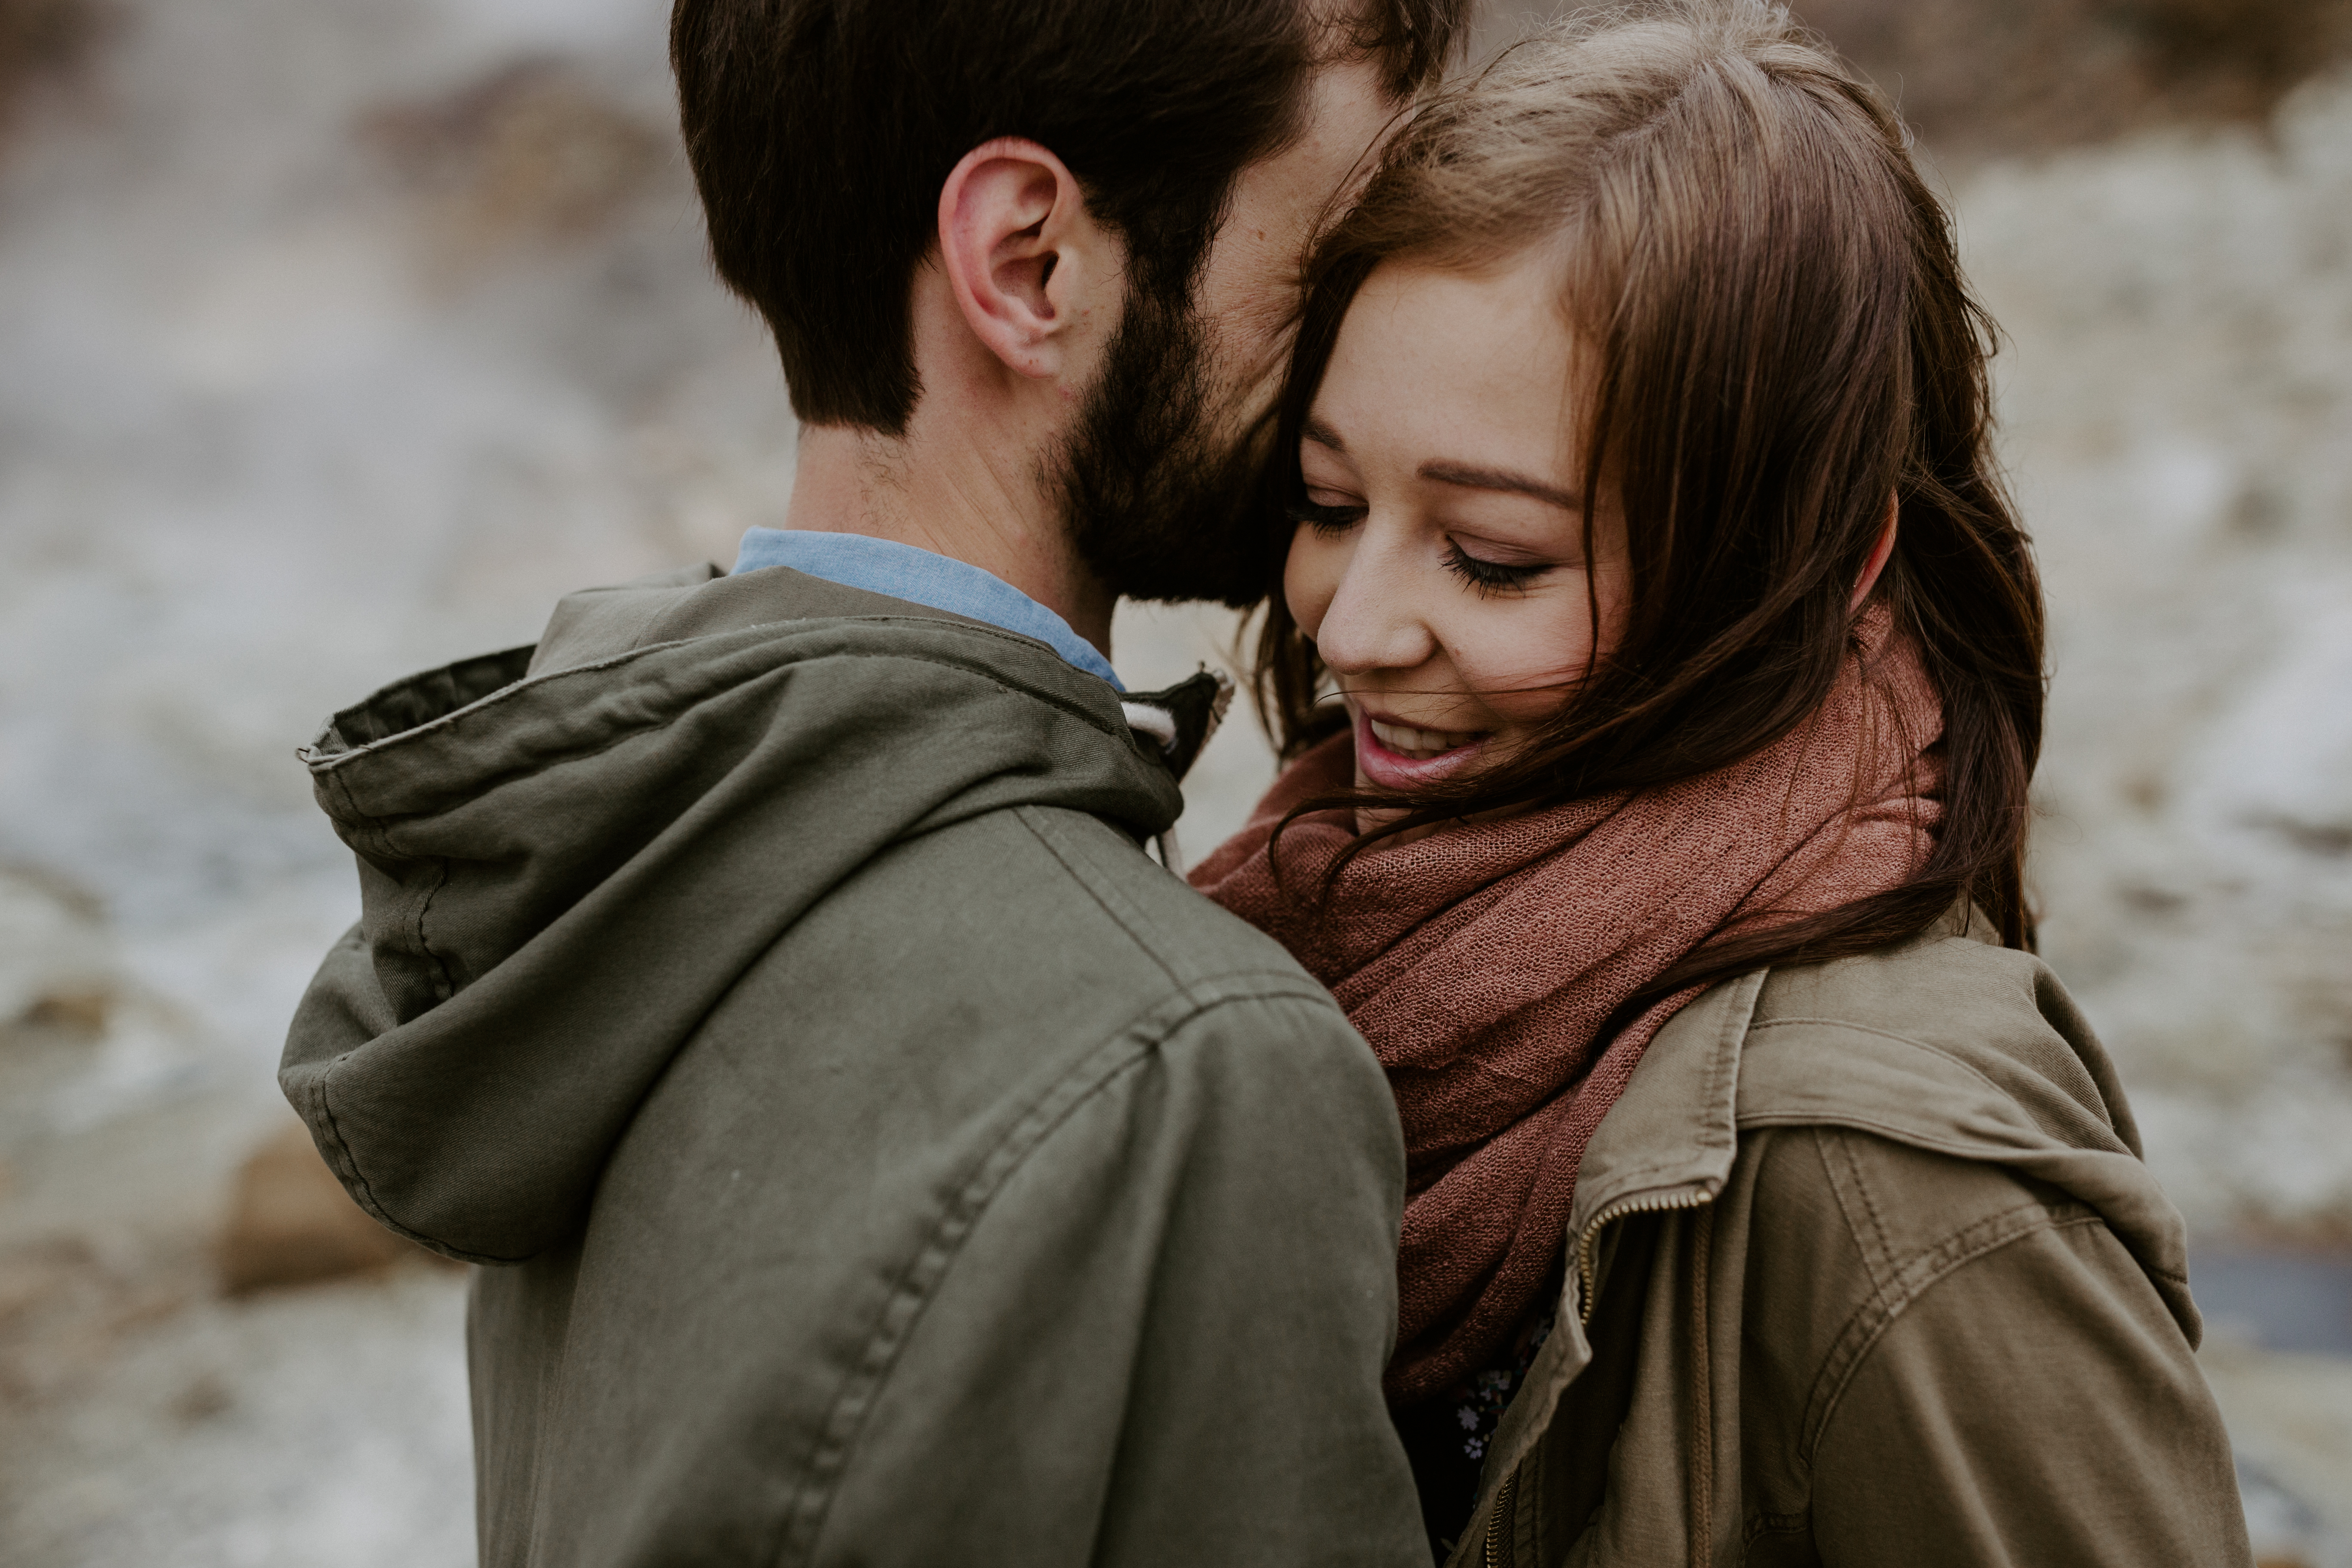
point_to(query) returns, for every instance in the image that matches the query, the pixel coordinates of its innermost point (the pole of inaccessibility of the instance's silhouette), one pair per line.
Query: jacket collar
(923, 577)
(1674, 1129)
(1668, 1143)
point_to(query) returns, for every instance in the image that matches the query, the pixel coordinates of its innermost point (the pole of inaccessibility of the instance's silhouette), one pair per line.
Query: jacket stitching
(1874, 1260)
(1975, 1152)
(919, 1278)
(713, 680)
(364, 820)
(556, 757)
(1845, 1141)
(1723, 1077)
(1937, 1051)
(705, 690)
(1202, 990)
(1902, 1040)
(1774, 1524)
(902, 1312)
(445, 986)
(345, 1161)
(1882, 1265)
(362, 1191)
(1929, 1049)
(1739, 1020)
(366, 1195)
(318, 1093)
(1025, 815)
(1926, 1269)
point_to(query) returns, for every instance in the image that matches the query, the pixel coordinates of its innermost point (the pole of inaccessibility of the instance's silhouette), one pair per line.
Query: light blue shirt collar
(923, 577)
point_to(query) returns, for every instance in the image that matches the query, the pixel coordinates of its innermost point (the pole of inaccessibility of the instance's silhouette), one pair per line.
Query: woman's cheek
(1524, 666)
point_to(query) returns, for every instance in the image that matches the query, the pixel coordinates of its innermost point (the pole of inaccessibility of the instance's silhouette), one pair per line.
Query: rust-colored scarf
(1481, 962)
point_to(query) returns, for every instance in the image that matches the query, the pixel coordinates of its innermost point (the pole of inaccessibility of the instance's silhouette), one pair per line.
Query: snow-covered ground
(336, 339)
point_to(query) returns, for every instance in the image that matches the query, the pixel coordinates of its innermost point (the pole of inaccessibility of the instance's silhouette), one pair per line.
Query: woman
(1768, 1202)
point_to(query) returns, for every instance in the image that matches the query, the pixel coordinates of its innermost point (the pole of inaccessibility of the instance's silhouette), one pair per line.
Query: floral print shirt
(1446, 1439)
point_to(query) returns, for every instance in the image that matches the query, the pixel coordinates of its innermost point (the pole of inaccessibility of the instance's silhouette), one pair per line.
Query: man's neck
(984, 507)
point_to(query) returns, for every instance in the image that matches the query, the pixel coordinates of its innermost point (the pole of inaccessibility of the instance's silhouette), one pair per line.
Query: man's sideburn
(1161, 503)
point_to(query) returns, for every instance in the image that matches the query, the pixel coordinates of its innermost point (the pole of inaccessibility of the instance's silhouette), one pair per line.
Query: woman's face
(1440, 568)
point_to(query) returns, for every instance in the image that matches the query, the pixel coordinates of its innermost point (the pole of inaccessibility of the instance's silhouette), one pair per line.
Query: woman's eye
(1323, 518)
(1489, 576)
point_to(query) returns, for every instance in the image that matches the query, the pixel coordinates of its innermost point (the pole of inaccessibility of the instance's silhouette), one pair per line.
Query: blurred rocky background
(337, 338)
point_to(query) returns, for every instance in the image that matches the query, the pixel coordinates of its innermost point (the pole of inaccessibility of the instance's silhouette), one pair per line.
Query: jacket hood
(562, 873)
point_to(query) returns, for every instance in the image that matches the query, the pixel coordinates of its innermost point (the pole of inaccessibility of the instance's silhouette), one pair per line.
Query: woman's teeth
(1419, 745)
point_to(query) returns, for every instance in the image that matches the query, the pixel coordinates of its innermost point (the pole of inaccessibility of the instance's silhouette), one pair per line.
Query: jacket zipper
(1688, 1199)
(1502, 1513)
(1655, 1203)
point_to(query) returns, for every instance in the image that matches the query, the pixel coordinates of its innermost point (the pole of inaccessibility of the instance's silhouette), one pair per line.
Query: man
(879, 1158)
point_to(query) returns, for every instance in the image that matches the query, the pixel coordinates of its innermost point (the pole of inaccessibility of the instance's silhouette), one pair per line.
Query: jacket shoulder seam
(1848, 1188)
(1026, 817)
(1206, 989)
(1913, 1279)
(1911, 1138)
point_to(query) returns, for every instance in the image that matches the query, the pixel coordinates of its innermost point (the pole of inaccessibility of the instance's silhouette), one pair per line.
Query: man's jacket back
(876, 1158)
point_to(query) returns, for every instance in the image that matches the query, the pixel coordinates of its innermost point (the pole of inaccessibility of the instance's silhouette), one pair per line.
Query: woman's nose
(1374, 622)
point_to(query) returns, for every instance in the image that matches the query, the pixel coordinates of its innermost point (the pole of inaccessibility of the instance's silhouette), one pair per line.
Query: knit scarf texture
(1481, 961)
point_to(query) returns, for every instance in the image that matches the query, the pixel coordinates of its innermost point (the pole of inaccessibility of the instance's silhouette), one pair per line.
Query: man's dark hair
(821, 131)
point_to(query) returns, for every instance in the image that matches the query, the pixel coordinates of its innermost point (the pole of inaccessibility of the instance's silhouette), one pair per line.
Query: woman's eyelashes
(1488, 577)
(1325, 519)
(1485, 577)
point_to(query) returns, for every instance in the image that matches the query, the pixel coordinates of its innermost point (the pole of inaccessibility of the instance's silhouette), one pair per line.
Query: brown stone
(44, 41)
(293, 1224)
(1978, 78)
(533, 151)
(82, 1012)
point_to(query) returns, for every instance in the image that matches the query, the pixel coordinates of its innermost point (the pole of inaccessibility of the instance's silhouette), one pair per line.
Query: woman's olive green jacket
(1865, 1269)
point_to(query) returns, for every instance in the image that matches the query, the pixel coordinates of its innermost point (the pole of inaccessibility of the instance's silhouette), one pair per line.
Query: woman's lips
(1390, 755)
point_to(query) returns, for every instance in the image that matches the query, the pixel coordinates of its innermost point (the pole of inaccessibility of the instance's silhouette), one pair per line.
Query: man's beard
(1160, 502)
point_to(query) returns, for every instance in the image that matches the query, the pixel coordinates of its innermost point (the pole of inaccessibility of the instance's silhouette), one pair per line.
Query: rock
(293, 1224)
(207, 1397)
(44, 40)
(532, 151)
(56, 957)
(74, 1011)
(2290, 1418)
(1997, 76)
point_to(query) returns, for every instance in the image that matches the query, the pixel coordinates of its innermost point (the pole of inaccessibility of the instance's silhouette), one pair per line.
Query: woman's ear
(1022, 256)
(1880, 553)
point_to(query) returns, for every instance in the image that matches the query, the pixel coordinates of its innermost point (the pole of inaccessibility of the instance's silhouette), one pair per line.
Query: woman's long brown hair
(1780, 338)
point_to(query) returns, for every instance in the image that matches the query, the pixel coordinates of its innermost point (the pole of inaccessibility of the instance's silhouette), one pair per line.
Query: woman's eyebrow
(1322, 435)
(1471, 479)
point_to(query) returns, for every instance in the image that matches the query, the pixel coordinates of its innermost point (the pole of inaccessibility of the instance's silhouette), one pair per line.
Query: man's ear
(1880, 552)
(1022, 254)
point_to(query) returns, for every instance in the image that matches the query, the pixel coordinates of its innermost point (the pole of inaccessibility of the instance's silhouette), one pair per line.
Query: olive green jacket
(878, 1159)
(1865, 1269)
